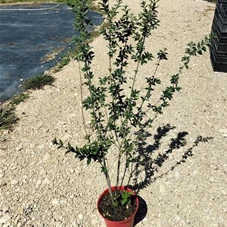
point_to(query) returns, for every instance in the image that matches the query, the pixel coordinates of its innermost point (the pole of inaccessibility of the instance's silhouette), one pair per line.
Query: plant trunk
(108, 180)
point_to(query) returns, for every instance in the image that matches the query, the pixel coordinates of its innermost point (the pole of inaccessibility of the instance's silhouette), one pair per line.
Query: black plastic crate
(223, 3)
(221, 12)
(220, 47)
(218, 67)
(216, 64)
(220, 57)
(221, 36)
(222, 25)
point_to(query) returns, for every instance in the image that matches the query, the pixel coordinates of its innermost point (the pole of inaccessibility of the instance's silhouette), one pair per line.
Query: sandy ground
(40, 186)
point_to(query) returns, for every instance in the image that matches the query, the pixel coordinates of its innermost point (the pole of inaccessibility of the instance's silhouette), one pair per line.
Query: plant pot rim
(113, 188)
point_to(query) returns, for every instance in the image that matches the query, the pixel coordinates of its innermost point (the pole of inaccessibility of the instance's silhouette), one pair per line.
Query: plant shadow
(149, 159)
(142, 211)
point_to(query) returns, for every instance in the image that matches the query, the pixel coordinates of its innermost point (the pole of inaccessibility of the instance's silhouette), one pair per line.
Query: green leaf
(126, 197)
(61, 142)
(88, 161)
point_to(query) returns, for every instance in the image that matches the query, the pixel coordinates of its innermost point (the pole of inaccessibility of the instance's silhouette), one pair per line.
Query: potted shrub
(118, 110)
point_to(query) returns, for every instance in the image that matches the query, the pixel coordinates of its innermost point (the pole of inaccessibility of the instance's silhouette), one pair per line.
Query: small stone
(194, 172)
(20, 210)
(224, 210)
(72, 171)
(94, 222)
(211, 179)
(5, 132)
(177, 218)
(223, 131)
(14, 166)
(46, 181)
(55, 202)
(80, 216)
(38, 183)
(74, 224)
(4, 219)
(14, 182)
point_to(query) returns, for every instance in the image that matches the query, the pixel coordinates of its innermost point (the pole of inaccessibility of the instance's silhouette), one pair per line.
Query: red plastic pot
(129, 222)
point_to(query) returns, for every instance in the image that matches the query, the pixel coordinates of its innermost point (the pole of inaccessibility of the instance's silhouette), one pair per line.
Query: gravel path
(40, 186)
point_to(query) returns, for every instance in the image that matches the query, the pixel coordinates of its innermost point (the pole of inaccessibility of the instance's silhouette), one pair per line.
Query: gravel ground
(40, 186)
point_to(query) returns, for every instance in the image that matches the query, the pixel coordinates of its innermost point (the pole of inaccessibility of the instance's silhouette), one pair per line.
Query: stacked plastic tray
(218, 49)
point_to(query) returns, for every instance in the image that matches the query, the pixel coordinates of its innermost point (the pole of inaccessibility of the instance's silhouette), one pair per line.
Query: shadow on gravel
(142, 211)
(149, 159)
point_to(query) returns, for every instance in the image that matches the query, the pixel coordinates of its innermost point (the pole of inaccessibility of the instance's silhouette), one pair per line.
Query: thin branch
(81, 99)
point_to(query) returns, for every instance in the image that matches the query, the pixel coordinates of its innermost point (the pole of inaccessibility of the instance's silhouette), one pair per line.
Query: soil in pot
(119, 213)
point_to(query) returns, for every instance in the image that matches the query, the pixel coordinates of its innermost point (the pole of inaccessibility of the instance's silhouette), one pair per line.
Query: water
(29, 35)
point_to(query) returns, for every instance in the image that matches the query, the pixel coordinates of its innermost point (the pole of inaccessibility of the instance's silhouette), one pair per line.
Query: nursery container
(129, 222)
